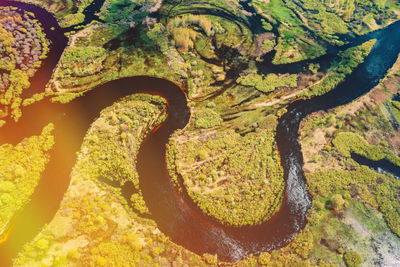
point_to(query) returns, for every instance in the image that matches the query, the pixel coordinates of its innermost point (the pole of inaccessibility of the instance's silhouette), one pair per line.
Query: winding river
(176, 215)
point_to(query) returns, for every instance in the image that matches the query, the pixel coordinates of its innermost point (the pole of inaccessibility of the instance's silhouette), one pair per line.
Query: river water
(176, 214)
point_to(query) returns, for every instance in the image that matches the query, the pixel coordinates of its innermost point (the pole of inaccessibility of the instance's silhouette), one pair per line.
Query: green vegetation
(33, 99)
(82, 61)
(209, 47)
(320, 18)
(20, 169)
(349, 200)
(337, 203)
(294, 43)
(303, 25)
(314, 68)
(72, 19)
(69, 12)
(237, 180)
(347, 142)
(268, 45)
(268, 83)
(226, 158)
(207, 118)
(123, 13)
(396, 104)
(174, 50)
(185, 35)
(376, 189)
(108, 53)
(363, 182)
(113, 144)
(175, 8)
(64, 97)
(350, 59)
(353, 259)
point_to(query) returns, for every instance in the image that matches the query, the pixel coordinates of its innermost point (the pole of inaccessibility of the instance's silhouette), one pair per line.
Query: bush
(353, 259)
(264, 258)
(207, 118)
(203, 154)
(268, 83)
(210, 259)
(337, 203)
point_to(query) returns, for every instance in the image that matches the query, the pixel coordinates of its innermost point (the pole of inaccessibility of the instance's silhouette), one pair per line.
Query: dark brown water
(176, 215)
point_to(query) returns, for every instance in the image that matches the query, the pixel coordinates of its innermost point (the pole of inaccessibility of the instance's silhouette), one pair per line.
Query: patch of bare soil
(258, 51)
(310, 148)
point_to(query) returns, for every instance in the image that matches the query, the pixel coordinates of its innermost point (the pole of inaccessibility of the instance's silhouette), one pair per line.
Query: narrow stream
(176, 215)
(383, 166)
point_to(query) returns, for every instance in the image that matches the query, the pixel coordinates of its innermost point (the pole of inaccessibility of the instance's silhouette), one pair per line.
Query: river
(176, 214)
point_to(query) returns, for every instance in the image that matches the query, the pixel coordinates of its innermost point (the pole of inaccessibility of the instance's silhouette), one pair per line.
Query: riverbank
(95, 224)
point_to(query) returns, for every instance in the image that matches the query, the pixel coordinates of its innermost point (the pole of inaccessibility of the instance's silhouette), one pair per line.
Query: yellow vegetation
(20, 170)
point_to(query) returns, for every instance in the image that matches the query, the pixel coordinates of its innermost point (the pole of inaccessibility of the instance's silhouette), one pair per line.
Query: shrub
(203, 154)
(264, 258)
(210, 259)
(268, 83)
(337, 202)
(352, 258)
(207, 118)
